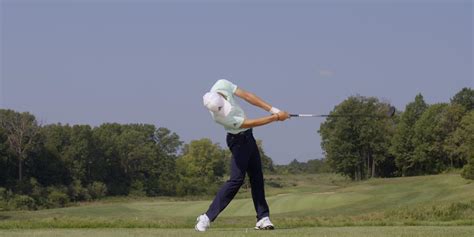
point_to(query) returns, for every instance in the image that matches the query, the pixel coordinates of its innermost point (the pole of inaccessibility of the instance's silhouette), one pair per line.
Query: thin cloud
(326, 73)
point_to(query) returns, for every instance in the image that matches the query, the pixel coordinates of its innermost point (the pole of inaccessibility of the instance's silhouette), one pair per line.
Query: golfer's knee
(236, 182)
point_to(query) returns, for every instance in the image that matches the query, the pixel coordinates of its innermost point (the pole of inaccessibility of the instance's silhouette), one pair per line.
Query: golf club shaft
(306, 115)
(327, 115)
(389, 113)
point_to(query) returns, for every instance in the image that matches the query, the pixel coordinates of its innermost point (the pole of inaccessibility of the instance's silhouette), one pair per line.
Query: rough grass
(303, 201)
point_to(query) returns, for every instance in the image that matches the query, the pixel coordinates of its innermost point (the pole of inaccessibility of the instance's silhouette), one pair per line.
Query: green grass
(304, 201)
(419, 231)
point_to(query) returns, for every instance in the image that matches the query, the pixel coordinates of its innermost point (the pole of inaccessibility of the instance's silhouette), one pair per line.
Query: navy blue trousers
(245, 159)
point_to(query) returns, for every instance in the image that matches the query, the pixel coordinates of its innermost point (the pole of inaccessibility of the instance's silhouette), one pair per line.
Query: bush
(191, 186)
(22, 202)
(3, 200)
(3, 193)
(5, 196)
(23, 187)
(468, 171)
(38, 193)
(274, 184)
(57, 198)
(97, 190)
(3, 205)
(77, 192)
(136, 189)
(162, 185)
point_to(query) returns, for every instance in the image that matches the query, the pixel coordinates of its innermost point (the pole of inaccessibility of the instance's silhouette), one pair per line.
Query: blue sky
(90, 62)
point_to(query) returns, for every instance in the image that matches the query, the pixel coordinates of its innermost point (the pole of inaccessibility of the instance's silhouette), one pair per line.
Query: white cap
(217, 104)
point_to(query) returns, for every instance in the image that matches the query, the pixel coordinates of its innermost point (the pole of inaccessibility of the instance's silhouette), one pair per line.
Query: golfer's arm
(252, 99)
(251, 123)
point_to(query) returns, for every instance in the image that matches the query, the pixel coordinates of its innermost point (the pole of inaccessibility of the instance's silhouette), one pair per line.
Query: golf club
(389, 114)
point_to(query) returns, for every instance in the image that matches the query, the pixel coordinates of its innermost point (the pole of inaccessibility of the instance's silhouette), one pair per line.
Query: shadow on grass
(2, 217)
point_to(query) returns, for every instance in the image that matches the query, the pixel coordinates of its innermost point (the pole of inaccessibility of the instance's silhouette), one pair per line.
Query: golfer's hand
(282, 115)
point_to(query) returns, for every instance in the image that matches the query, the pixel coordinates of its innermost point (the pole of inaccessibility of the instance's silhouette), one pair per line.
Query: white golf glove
(274, 110)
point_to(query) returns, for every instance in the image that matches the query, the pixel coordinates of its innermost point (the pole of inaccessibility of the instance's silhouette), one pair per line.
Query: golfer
(245, 155)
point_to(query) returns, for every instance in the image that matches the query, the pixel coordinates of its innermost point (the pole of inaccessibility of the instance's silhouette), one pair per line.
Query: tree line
(423, 139)
(43, 166)
(55, 164)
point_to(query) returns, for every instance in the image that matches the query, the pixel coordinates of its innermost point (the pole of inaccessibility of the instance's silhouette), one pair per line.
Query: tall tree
(3, 144)
(109, 167)
(201, 167)
(429, 156)
(135, 144)
(357, 145)
(82, 153)
(50, 168)
(449, 124)
(403, 147)
(465, 98)
(465, 148)
(161, 177)
(70, 154)
(21, 129)
(126, 154)
(4, 175)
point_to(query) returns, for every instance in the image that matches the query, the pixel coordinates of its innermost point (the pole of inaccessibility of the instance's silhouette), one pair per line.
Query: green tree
(267, 162)
(295, 167)
(3, 145)
(402, 145)
(21, 130)
(81, 153)
(449, 124)
(227, 161)
(107, 167)
(162, 174)
(465, 98)
(168, 143)
(431, 132)
(50, 167)
(127, 152)
(135, 145)
(201, 167)
(463, 140)
(317, 166)
(136, 154)
(4, 175)
(70, 154)
(356, 146)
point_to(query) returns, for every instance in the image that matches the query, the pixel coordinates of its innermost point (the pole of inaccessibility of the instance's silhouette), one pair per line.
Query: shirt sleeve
(224, 86)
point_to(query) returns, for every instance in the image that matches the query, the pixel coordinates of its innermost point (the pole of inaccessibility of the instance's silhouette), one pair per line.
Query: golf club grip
(294, 115)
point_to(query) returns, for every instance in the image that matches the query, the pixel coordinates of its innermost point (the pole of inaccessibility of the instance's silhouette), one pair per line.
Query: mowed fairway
(307, 205)
(411, 231)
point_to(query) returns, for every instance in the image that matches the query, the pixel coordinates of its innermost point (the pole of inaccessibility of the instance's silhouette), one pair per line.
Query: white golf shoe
(264, 224)
(203, 223)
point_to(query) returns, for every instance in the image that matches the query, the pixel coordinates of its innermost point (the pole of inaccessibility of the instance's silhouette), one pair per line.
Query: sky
(92, 62)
